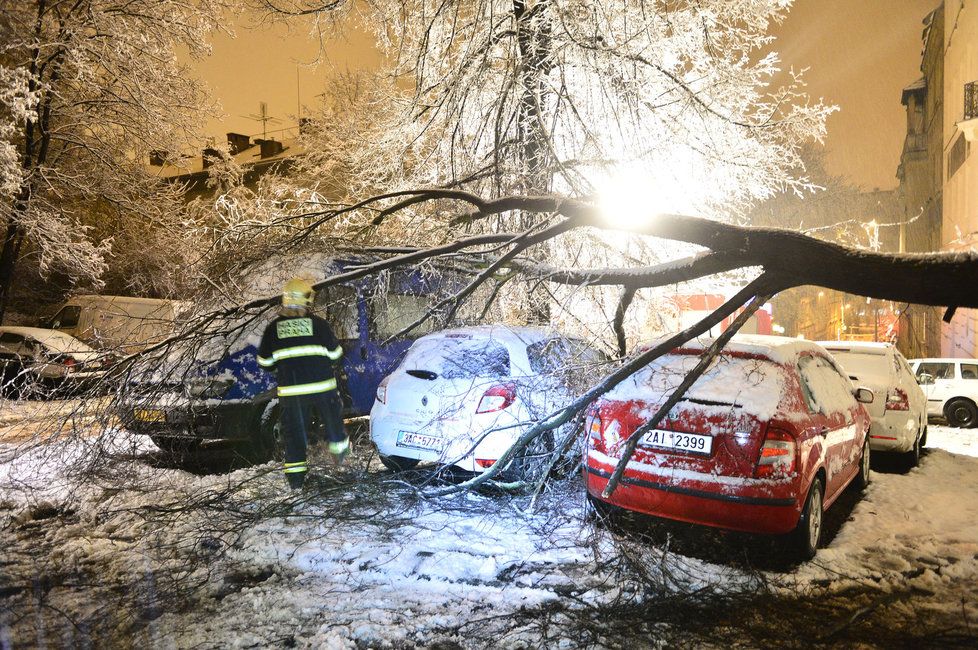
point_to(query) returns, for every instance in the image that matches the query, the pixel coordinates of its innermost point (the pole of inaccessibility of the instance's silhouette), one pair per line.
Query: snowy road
(164, 558)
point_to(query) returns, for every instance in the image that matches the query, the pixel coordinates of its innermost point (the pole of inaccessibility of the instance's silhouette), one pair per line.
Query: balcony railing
(971, 100)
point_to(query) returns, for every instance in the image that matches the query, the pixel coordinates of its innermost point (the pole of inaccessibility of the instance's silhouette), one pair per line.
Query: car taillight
(382, 392)
(68, 362)
(605, 430)
(777, 454)
(897, 400)
(497, 398)
(485, 463)
(593, 424)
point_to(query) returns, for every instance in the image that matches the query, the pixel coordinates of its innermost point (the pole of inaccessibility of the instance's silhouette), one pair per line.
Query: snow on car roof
(506, 334)
(945, 360)
(866, 347)
(780, 349)
(56, 339)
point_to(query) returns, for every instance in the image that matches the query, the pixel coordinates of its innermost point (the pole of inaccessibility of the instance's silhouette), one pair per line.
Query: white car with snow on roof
(34, 358)
(899, 409)
(461, 397)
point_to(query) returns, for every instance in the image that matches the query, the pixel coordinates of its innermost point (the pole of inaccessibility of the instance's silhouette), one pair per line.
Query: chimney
(210, 155)
(270, 148)
(237, 143)
(157, 158)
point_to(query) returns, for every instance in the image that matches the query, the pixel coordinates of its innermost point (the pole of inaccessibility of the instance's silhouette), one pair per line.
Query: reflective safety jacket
(302, 351)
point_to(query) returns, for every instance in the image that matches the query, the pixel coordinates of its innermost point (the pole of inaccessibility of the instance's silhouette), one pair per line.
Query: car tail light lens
(897, 400)
(382, 392)
(67, 361)
(592, 424)
(497, 398)
(485, 463)
(777, 454)
(603, 430)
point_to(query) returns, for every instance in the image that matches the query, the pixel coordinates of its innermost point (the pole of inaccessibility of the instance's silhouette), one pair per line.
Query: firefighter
(302, 349)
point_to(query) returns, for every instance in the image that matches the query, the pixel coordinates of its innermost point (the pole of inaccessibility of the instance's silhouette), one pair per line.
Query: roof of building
(249, 157)
(918, 86)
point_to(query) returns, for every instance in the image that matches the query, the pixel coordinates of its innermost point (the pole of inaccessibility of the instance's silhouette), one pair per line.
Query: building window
(957, 155)
(971, 100)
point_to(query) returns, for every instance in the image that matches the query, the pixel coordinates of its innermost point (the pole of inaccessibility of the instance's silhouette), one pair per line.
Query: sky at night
(859, 55)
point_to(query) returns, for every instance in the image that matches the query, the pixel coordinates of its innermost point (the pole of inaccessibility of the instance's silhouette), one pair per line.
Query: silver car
(899, 410)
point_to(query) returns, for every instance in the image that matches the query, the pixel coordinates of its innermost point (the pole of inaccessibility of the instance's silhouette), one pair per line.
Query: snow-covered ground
(144, 554)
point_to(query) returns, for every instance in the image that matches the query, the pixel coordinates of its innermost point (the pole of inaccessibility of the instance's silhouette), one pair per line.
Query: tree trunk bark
(12, 242)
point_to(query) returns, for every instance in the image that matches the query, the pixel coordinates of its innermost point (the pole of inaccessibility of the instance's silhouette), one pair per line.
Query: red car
(763, 442)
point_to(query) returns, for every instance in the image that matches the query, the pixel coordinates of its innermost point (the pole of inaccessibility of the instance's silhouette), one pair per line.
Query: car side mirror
(863, 395)
(924, 378)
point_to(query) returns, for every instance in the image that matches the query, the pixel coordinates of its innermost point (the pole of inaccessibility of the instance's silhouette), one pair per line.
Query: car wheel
(267, 443)
(808, 534)
(862, 478)
(398, 463)
(176, 445)
(534, 458)
(961, 413)
(911, 458)
(923, 438)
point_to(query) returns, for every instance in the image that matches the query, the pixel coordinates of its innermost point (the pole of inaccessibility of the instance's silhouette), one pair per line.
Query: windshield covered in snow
(862, 363)
(458, 357)
(754, 385)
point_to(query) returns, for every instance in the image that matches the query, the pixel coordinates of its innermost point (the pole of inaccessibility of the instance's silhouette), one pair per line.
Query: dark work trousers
(299, 414)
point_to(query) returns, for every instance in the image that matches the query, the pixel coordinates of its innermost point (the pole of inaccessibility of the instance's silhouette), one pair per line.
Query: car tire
(923, 438)
(532, 459)
(176, 445)
(398, 463)
(961, 413)
(861, 482)
(267, 444)
(808, 534)
(911, 458)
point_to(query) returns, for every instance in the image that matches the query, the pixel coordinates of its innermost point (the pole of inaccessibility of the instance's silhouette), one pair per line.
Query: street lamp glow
(626, 201)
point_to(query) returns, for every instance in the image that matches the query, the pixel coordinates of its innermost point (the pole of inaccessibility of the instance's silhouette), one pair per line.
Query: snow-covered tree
(583, 98)
(636, 103)
(101, 88)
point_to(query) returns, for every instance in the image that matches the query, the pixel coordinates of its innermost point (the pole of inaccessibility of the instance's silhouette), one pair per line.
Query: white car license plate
(682, 441)
(420, 441)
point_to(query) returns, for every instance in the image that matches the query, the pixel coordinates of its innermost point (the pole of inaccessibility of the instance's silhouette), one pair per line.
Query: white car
(34, 357)
(951, 389)
(462, 397)
(899, 410)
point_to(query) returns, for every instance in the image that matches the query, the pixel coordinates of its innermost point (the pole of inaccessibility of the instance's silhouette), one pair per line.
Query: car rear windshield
(754, 385)
(458, 357)
(62, 343)
(861, 364)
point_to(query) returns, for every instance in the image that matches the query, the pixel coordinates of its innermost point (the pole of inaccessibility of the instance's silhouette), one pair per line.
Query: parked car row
(767, 439)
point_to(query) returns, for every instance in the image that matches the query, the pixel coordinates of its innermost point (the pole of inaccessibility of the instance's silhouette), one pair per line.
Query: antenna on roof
(264, 118)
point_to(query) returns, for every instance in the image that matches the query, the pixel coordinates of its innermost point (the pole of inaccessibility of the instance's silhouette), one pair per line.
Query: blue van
(227, 396)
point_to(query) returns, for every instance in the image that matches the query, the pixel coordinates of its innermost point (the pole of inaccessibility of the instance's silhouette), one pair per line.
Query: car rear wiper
(710, 402)
(423, 374)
